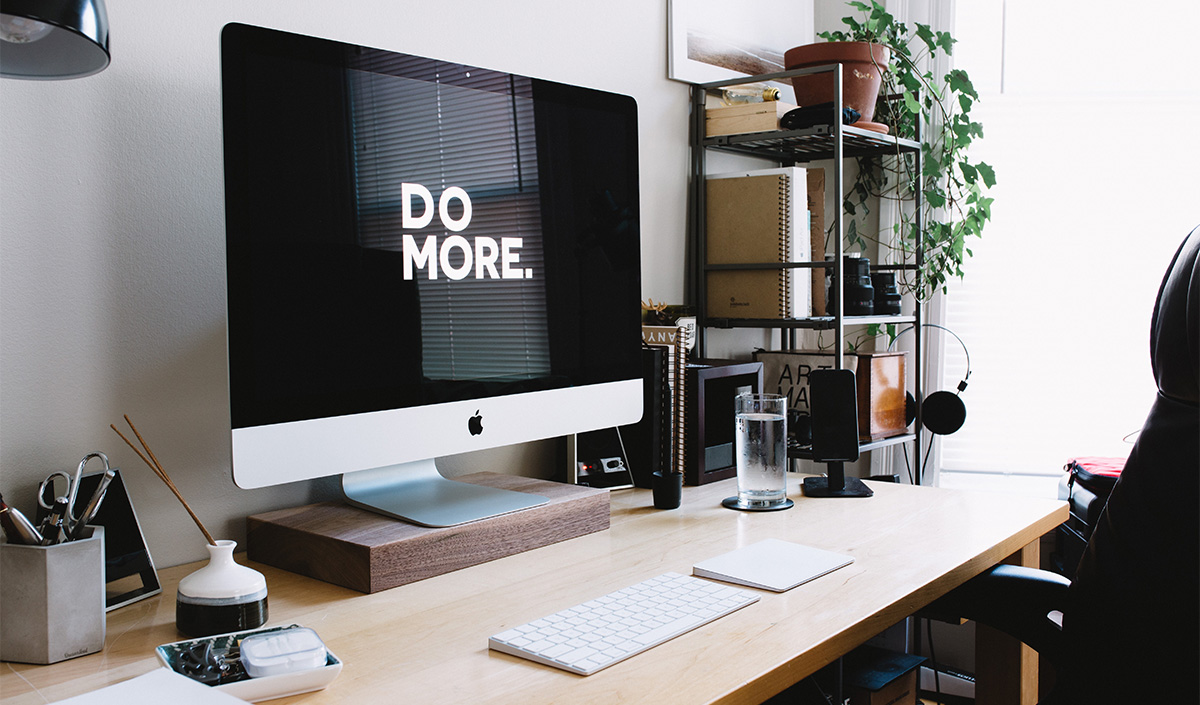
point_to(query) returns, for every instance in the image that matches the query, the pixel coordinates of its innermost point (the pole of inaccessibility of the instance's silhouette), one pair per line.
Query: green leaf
(946, 42)
(959, 82)
(911, 104)
(932, 168)
(925, 34)
(987, 173)
(969, 172)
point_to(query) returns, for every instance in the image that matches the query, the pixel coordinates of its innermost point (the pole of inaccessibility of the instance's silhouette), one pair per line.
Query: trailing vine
(953, 187)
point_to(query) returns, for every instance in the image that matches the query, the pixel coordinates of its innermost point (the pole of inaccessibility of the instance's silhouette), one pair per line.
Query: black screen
(405, 231)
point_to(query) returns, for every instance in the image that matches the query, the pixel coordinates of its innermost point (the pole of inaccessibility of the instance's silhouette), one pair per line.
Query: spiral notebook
(772, 565)
(757, 217)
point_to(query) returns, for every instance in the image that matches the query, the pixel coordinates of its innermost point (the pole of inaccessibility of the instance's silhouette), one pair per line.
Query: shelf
(798, 452)
(813, 323)
(811, 143)
(833, 142)
(798, 265)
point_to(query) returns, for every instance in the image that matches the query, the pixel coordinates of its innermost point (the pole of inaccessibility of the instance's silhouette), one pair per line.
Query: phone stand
(836, 484)
(834, 404)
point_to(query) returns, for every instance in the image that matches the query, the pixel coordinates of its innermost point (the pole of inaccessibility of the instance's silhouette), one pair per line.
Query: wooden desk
(427, 641)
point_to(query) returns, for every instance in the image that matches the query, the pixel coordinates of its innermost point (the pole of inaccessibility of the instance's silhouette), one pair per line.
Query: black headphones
(942, 412)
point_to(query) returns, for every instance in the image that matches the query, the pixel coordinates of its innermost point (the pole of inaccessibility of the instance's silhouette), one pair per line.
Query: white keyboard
(596, 634)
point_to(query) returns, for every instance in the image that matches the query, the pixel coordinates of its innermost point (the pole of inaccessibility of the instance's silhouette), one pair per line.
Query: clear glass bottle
(749, 93)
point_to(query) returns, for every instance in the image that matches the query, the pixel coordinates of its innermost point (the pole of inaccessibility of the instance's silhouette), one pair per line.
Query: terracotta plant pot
(861, 77)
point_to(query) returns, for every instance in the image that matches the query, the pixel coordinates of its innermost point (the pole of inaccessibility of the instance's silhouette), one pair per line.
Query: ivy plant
(955, 206)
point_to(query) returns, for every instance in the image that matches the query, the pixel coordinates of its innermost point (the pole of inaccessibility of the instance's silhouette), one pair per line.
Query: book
(772, 564)
(757, 217)
(816, 236)
(678, 340)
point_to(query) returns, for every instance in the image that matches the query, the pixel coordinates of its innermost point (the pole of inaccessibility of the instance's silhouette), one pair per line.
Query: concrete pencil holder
(52, 607)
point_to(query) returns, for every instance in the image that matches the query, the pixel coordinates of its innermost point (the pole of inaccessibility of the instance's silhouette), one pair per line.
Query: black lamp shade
(76, 44)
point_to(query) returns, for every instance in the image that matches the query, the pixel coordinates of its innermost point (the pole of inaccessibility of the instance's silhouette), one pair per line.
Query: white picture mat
(720, 35)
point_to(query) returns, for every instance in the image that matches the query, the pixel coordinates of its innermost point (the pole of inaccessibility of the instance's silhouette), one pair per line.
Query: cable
(937, 679)
(966, 352)
(923, 464)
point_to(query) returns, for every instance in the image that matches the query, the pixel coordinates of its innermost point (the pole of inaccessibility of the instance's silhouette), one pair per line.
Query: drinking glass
(760, 439)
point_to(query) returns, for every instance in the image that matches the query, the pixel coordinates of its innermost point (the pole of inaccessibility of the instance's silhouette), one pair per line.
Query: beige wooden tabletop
(426, 642)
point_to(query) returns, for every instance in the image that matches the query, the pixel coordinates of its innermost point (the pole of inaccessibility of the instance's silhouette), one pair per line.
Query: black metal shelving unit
(835, 142)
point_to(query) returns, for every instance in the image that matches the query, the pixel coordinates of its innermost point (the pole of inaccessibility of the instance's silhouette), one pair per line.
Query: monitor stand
(416, 492)
(836, 484)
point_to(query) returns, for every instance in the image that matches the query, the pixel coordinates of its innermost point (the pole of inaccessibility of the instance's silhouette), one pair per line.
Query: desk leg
(1006, 671)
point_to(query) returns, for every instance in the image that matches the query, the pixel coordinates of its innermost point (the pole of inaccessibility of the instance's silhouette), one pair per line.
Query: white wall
(112, 228)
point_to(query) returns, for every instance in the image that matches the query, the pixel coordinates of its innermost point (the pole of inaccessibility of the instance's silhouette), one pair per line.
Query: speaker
(648, 446)
(942, 412)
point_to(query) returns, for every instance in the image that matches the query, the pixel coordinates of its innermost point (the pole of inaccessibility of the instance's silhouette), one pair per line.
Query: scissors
(72, 486)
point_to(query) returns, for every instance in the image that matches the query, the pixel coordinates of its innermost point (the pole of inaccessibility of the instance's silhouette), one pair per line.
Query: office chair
(1131, 617)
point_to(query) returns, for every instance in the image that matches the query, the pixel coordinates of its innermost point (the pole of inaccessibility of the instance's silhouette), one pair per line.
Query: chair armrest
(1016, 600)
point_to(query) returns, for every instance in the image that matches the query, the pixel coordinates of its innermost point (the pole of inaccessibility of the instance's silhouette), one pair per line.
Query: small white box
(287, 651)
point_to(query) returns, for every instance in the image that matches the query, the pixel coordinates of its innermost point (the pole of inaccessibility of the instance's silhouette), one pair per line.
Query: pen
(54, 530)
(93, 505)
(17, 528)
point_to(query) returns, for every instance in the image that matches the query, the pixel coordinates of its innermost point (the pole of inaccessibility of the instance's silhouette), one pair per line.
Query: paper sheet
(159, 686)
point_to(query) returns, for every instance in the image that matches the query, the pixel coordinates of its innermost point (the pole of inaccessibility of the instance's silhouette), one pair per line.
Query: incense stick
(162, 474)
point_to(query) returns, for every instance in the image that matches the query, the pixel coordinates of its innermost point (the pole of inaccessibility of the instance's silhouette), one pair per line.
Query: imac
(423, 259)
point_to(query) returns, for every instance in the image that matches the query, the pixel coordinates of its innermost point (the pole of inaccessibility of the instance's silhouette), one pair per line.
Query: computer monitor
(424, 259)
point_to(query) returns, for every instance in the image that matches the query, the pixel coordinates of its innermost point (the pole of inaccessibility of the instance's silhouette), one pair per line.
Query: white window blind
(474, 132)
(1095, 191)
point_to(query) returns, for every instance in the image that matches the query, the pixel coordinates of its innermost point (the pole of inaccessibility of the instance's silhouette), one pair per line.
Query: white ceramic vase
(221, 597)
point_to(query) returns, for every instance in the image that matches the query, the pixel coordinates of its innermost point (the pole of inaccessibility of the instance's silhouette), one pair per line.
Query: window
(1086, 113)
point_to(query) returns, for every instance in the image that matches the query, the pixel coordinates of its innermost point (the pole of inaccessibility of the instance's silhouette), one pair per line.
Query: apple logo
(475, 424)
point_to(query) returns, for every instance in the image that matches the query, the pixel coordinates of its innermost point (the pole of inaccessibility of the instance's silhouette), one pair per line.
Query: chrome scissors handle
(72, 485)
(49, 483)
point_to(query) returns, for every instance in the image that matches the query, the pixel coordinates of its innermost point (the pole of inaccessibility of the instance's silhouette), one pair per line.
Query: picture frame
(709, 40)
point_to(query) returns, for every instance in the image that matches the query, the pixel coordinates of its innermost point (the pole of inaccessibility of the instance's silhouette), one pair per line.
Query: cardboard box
(748, 117)
(879, 377)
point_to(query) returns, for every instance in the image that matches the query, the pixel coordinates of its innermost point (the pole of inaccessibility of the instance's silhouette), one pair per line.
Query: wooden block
(748, 117)
(881, 408)
(359, 549)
